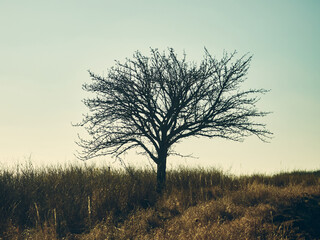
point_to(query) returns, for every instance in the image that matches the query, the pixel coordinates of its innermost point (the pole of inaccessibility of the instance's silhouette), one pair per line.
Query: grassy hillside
(99, 203)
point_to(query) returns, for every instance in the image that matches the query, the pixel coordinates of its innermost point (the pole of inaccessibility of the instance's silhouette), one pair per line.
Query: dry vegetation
(98, 203)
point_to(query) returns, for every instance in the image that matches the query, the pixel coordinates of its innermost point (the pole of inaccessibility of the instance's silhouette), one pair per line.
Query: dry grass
(97, 203)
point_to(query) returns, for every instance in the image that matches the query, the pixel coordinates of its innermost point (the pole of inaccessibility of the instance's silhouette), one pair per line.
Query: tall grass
(63, 196)
(98, 203)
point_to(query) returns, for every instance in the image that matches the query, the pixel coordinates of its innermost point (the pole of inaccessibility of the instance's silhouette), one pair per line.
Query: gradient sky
(46, 48)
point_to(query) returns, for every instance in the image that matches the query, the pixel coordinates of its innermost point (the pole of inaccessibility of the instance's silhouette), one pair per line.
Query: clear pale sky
(46, 48)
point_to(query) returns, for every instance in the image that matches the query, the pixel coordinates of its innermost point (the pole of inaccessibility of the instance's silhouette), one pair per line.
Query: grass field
(99, 203)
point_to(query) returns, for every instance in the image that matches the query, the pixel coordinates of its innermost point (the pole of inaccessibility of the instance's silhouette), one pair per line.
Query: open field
(99, 203)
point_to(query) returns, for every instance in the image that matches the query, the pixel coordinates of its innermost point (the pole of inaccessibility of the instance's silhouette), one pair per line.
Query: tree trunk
(161, 173)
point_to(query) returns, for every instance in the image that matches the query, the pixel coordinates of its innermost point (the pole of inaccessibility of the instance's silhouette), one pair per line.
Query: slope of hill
(99, 203)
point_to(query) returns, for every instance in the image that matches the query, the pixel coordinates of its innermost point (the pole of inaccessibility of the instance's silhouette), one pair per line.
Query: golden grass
(96, 203)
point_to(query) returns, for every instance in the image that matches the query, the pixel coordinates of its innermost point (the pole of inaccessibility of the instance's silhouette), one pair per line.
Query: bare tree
(154, 102)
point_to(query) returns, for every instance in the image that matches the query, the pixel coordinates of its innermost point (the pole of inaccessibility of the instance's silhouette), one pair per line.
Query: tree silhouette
(153, 102)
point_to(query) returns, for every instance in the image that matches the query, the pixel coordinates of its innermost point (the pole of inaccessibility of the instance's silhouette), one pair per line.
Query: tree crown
(154, 102)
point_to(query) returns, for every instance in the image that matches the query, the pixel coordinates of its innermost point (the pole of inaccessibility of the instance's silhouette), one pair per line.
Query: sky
(46, 48)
